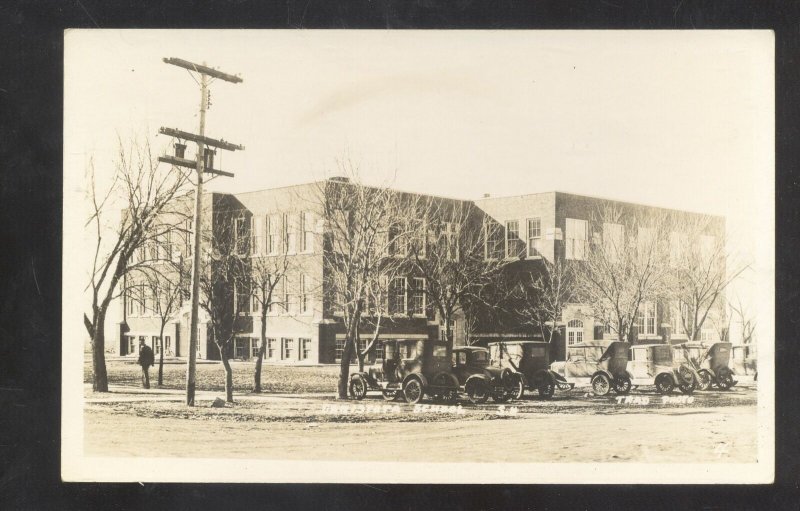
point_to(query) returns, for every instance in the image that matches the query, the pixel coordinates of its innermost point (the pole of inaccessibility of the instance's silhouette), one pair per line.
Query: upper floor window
(418, 297)
(242, 297)
(574, 332)
(289, 234)
(575, 238)
(397, 296)
(534, 236)
(646, 319)
(305, 295)
(515, 247)
(273, 234)
(307, 230)
(707, 247)
(494, 240)
(241, 233)
(613, 240)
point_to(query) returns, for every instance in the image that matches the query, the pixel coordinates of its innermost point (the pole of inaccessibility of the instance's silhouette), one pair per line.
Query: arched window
(574, 332)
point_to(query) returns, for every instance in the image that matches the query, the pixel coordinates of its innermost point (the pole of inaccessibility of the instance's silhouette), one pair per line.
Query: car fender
(557, 377)
(604, 372)
(475, 377)
(418, 376)
(364, 376)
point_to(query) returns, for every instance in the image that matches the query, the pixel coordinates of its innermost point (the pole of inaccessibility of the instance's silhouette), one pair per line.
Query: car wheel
(725, 381)
(517, 386)
(705, 380)
(389, 395)
(601, 385)
(664, 383)
(477, 391)
(687, 382)
(413, 391)
(622, 385)
(546, 390)
(358, 388)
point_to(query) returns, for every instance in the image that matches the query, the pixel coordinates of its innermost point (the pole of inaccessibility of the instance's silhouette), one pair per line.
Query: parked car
(653, 364)
(527, 365)
(744, 361)
(411, 369)
(710, 362)
(479, 379)
(602, 364)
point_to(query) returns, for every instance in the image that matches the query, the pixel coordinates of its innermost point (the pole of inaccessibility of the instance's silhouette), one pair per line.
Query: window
(416, 234)
(646, 319)
(241, 347)
(677, 244)
(273, 234)
(451, 240)
(534, 236)
(257, 239)
(515, 247)
(645, 240)
(131, 344)
(156, 344)
(574, 332)
(397, 296)
(288, 348)
(254, 347)
(307, 229)
(271, 349)
(707, 248)
(398, 242)
(131, 300)
(379, 353)
(286, 296)
(167, 345)
(495, 240)
(613, 240)
(577, 233)
(304, 298)
(339, 349)
(142, 300)
(418, 297)
(289, 234)
(255, 303)
(305, 349)
(707, 334)
(241, 234)
(242, 293)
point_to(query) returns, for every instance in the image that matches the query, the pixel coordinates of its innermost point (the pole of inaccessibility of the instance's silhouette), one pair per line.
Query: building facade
(304, 324)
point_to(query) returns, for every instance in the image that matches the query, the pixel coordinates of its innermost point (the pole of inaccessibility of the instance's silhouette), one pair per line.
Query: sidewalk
(130, 394)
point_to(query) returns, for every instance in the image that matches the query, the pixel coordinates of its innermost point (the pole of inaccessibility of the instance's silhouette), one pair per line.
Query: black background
(31, 94)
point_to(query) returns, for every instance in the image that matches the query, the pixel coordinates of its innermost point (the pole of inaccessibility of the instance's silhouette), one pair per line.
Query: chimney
(487, 195)
(340, 179)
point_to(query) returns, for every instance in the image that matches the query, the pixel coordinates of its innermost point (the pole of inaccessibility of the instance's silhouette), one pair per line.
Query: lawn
(274, 378)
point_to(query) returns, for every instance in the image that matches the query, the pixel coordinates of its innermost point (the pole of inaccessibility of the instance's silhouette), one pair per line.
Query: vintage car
(411, 368)
(710, 362)
(527, 365)
(600, 363)
(745, 361)
(479, 379)
(653, 364)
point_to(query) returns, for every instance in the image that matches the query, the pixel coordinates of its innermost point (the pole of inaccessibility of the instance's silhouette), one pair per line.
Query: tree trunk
(161, 357)
(261, 350)
(344, 368)
(99, 374)
(223, 354)
(361, 358)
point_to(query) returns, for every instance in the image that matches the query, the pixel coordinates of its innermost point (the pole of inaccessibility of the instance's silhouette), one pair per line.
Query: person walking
(146, 359)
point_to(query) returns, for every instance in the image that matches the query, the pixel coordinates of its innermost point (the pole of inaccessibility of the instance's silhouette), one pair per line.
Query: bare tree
(623, 267)
(543, 294)
(746, 321)
(448, 251)
(703, 270)
(225, 279)
(362, 229)
(267, 272)
(164, 285)
(147, 192)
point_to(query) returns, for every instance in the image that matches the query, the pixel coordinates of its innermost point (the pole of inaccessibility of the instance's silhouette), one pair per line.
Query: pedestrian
(146, 359)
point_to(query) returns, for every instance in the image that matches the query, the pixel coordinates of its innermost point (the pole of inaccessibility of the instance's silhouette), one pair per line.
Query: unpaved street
(574, 427)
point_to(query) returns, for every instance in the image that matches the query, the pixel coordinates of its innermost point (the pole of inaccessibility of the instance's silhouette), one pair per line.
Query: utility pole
(201, 166)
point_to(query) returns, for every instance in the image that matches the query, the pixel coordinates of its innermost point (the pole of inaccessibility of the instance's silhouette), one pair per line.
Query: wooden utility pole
(200, 166)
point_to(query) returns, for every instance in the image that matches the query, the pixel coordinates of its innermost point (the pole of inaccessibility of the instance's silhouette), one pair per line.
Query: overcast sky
(675, 119)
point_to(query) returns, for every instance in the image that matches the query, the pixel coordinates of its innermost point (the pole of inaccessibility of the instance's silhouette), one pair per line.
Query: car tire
(389, 395)
(725, 381)
(705, 380)
(664, 383)
(501, 395)
(686, 380)
(517, 386)
(477, 391)
(601, 385)
(358, 388)
(413, 391)
(622, 385)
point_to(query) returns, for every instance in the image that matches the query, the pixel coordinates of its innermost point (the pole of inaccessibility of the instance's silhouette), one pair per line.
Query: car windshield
(537, 351)
(440, 350)
(662, 355)
(480, 357)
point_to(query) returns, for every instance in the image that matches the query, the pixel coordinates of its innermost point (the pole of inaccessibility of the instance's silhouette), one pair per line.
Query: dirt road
(711, 427)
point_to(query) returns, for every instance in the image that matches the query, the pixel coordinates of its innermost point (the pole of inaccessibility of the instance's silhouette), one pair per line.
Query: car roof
(518, 342)
(650, 345)
(469, 348)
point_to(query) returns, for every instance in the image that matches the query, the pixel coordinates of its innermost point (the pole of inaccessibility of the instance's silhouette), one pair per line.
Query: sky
(675, 119)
